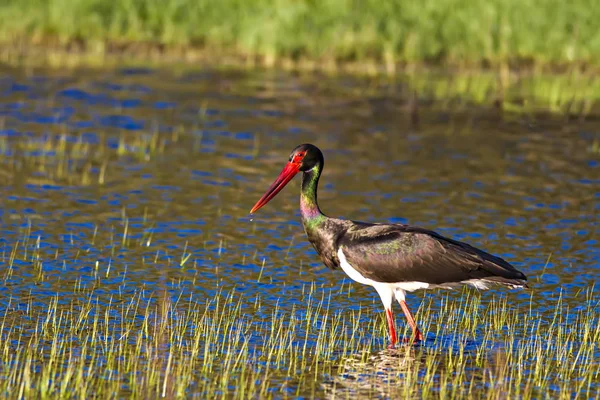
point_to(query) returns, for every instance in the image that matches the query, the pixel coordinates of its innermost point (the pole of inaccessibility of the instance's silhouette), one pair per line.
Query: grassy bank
(395, 32)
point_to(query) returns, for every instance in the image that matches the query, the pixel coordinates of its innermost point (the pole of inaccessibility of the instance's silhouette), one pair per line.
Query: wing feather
(404, 253)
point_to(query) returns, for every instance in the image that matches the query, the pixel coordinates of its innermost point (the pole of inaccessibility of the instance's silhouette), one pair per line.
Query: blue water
(124, 175)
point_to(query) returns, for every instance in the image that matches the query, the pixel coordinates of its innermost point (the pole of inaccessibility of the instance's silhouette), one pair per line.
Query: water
(145, 177)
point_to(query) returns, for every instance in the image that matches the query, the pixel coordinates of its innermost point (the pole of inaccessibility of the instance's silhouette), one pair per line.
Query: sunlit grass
(494, 32)
(155, 347)
(156, 342)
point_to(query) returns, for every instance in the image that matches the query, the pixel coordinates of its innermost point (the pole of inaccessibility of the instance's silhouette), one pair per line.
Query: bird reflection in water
(378, 375)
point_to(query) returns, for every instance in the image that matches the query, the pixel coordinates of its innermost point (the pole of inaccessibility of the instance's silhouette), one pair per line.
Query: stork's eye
(299, 156)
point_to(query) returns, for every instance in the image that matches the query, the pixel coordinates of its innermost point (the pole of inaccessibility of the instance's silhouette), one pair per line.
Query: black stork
(393, 258)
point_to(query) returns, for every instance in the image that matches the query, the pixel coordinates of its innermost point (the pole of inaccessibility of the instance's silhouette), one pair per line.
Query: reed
(324, 32)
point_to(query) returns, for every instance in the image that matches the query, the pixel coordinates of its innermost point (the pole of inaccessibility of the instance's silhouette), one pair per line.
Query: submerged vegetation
(475, 32)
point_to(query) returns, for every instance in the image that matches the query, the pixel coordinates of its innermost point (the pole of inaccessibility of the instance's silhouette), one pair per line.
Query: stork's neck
(311, 214)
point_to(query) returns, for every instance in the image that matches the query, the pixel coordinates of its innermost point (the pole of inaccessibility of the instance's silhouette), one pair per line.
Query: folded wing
(402, 253)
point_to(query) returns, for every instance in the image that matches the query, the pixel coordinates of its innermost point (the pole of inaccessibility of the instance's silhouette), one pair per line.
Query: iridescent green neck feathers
(308, 196)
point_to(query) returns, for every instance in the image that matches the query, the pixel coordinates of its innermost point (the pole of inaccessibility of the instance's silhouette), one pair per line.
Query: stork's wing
(404, 253)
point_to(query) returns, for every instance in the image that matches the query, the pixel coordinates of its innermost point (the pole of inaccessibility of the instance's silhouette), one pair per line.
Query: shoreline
(82, 54)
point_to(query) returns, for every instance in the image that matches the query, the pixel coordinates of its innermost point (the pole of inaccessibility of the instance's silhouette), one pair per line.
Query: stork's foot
(416, 338)
(411, 340)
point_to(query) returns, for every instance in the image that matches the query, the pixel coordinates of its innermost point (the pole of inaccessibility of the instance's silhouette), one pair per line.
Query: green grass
(165, 341)
(152, 346)
(92, 338)
(549, 32)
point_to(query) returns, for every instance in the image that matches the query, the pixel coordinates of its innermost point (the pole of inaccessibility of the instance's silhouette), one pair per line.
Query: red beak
(289, 171)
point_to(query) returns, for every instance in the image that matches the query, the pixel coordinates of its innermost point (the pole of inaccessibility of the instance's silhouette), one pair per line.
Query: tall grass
(157, 346)
(474, 31)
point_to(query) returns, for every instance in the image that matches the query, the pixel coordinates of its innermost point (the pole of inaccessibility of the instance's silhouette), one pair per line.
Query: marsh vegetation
(130, 267)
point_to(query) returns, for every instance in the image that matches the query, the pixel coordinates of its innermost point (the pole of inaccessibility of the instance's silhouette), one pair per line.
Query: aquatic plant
(165, 342)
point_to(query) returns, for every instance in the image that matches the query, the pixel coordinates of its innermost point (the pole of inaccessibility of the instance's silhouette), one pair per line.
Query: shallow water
(146, 176)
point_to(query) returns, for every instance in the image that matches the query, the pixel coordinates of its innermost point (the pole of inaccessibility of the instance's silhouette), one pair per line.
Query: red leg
(411, 321)
(390, 321)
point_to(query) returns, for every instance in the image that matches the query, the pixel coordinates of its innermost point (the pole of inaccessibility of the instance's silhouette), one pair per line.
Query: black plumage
(393, 253)
(401, 253)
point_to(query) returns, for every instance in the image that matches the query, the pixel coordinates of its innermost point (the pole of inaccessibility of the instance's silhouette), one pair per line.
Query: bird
(393, 258)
